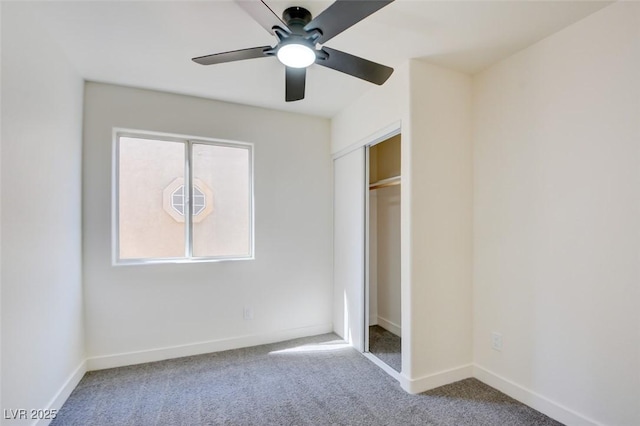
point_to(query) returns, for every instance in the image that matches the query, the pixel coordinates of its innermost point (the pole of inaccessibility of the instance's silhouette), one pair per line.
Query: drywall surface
(384, 236)
(433, 106)
(42, 332)
(382, 109)
(1, 405)
(192, 306)
(349, 254)
(387, 230)
(556, 228)
(377, 109)
(441, 215)
(384, 159)
(373, 257)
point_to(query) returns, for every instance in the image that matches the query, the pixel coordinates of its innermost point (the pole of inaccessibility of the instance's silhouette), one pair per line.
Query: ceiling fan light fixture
(301, 42)
(296, 55)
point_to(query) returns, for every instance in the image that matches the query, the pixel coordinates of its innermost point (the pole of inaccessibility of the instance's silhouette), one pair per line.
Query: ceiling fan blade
(263, 15)
(343, 14)
(234, 55)
(355, 66)
(295, 80)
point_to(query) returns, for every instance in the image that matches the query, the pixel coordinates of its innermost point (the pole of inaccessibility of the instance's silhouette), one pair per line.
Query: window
(177, 200)
(174, 201)
(154, 218)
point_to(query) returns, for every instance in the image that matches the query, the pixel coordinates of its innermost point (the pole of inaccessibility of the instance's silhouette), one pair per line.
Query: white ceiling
(149, 44)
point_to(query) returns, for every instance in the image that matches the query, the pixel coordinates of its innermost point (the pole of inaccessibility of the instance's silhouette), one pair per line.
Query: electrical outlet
(248, 313)
(496, 341)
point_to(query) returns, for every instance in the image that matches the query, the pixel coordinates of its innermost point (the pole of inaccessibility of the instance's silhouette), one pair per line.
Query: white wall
(381, 109)
(441, 214)
(373, 259)
(387, 258)
(190, 308)
(556, 225)
(1, 405)
(42, 332)
(434, 106)
(349, 255)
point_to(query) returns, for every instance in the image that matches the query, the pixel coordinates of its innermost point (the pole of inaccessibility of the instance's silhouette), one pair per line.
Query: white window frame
(188, 141)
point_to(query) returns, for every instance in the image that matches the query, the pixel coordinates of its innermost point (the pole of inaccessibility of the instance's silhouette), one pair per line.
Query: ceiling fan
(301, 39)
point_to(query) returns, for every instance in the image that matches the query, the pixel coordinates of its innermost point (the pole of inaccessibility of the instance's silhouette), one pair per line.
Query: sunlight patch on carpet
(320, 347)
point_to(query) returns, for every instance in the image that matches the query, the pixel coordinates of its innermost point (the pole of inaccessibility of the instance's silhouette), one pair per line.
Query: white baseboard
(390, 326)
(59, 399)
(432, 381)
(159, 354)
(532, 399)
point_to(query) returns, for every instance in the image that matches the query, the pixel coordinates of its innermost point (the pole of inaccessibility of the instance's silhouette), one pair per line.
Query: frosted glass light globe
(296, 55)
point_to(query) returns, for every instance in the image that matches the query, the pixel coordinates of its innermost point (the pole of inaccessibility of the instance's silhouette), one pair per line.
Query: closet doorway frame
(379, 137)
(361, 321)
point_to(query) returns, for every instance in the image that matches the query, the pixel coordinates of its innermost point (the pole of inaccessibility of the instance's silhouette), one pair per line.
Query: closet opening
(383, 328)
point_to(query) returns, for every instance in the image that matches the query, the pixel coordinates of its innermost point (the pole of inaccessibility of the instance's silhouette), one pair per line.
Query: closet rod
(382, 183)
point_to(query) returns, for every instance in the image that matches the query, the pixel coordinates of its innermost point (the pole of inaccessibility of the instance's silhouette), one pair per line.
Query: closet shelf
(382, 183)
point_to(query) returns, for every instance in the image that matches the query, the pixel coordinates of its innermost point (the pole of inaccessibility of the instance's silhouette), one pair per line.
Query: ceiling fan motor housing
(296, 17)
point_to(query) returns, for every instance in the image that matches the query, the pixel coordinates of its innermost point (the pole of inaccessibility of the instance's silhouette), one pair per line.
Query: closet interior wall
(384, 235)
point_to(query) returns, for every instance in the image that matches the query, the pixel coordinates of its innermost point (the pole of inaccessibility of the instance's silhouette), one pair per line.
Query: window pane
(199, 201)
(223, 228)
(147, 170)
